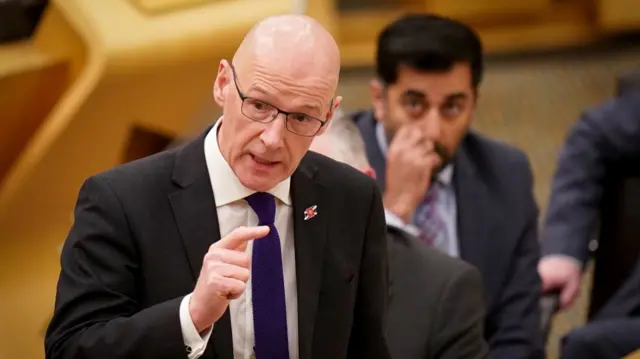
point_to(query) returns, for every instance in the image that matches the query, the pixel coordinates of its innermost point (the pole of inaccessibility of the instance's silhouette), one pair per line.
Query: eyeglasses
(260, 111)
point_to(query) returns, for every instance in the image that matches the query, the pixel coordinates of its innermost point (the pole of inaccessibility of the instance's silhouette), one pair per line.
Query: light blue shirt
(445, 204)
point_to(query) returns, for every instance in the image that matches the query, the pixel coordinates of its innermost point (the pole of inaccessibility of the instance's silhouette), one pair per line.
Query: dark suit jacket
(497, 233)
(436, 308)
(603, 136)
(140, 234)
(613, 331)
(625, 302)
(602, 339)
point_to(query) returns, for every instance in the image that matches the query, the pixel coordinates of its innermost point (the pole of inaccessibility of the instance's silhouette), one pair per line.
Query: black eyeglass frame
(277, 111)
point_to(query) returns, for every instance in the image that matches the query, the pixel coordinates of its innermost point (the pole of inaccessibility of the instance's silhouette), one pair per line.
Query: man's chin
(257, 183)
(259, 179)
(436, 171)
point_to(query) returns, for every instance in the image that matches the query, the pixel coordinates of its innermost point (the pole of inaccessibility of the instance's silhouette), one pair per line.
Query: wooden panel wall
(504, 25)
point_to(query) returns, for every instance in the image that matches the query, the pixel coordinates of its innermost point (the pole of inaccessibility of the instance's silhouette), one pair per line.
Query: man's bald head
(294, 45)
(276, 96)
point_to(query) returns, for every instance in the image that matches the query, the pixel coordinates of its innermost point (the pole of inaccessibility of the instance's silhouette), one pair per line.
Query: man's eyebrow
(416, 93)
(310, 108)
(457, 96)
(259, 89)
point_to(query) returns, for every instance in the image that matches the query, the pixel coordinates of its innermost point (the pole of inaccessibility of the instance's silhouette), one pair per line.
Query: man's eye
(299, 117)
(451, 110)
(414, 107)
(259, 106)
(414, 103)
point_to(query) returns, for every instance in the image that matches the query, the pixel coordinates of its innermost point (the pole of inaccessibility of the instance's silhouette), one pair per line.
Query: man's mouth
(262, 161)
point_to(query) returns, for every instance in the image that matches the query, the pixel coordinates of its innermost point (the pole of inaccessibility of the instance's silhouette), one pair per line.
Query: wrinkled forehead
(294, 84)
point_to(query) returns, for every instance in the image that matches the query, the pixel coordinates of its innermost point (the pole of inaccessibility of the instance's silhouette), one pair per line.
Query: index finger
(428, 146)
(240, 236)
(406, 132)
(405, 137)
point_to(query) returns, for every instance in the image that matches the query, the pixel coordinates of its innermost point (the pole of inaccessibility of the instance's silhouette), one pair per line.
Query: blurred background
(86, 85)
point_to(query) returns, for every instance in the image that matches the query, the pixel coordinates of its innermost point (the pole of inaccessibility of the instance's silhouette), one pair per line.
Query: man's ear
(377, 92)
(476, 96)
(330, 114)
(334, 107)
(220, 85)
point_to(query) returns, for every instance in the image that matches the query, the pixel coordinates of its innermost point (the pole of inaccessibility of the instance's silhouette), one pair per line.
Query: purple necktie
(427, 219)
(267, 284)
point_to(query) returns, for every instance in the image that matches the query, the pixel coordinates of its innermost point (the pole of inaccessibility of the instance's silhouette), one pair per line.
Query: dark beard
(445, 159)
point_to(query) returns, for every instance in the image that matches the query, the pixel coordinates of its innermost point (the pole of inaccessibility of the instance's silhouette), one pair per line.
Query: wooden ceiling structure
(505, 26)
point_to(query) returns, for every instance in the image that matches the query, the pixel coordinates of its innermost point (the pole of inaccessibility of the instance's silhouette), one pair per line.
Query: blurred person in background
(239, 244)
(601, 137)
(436, 308)
(457, 190)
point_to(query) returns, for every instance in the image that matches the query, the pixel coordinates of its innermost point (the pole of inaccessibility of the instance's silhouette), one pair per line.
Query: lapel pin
(310, 212)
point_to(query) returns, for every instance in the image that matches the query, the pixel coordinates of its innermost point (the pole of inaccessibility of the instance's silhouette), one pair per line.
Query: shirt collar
(444, 177)
(227, 188)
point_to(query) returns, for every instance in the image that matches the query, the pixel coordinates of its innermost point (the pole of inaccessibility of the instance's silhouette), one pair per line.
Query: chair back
(618, 244)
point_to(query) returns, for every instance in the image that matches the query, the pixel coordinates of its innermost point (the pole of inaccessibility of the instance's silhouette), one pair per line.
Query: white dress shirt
(233, 211)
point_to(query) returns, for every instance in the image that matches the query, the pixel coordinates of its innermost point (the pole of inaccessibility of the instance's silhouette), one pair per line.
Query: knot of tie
(265, 207)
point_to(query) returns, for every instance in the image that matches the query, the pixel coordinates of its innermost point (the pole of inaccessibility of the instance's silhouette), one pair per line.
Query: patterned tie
(433, 229)
(267, 285)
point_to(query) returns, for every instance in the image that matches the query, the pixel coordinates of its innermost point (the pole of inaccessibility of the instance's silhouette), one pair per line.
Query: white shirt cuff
(394, 221)
(194, 343)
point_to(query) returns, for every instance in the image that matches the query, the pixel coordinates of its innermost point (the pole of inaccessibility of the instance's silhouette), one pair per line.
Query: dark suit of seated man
(601, 138)
(614, 332)
(436, 308)
(602, 339)
(468, 195)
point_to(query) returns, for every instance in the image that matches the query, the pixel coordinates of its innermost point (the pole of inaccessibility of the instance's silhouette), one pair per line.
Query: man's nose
(272, 135)
(432, 125)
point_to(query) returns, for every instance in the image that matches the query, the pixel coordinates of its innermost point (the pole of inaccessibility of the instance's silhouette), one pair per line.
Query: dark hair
(427, 43)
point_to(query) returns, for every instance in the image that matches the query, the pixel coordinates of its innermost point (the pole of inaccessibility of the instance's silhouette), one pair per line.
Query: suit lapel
(476, 214)
(309, 239)
(194, 209)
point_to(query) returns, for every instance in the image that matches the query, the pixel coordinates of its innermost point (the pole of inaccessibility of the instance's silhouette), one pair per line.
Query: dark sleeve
(514, 321)
(598, 137)
(367, 336)
(97, 311)
(459, 322)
